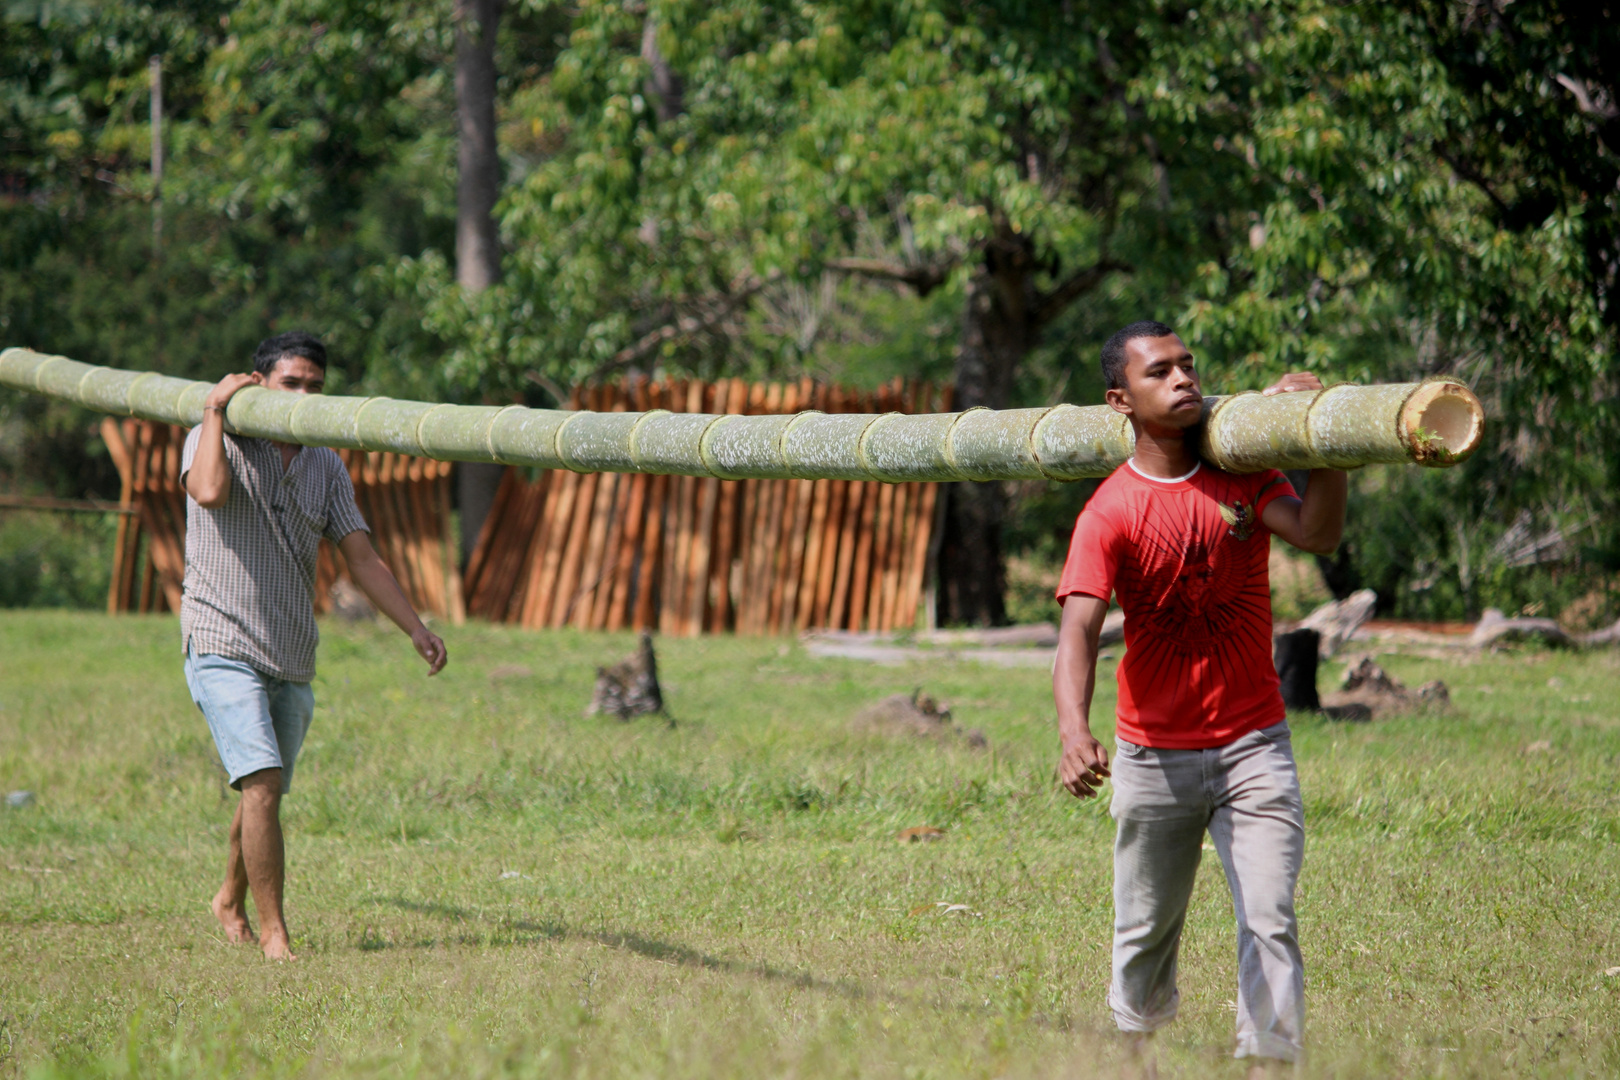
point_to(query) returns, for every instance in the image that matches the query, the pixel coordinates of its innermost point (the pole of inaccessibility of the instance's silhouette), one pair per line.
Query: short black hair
(1113, 350)
(293, 343)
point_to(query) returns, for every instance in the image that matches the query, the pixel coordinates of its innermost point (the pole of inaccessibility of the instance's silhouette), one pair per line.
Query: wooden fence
(405, 500)
(689, 555)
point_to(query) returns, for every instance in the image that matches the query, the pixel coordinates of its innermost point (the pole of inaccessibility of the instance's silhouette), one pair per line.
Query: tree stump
(1296, 656)
(630, 687)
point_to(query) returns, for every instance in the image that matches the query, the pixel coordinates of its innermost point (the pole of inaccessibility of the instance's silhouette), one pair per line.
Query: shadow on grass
(443, 911)
(669, 953)
(523, 931)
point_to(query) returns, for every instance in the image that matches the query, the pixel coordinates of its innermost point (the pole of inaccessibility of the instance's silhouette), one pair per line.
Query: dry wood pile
(690, 555)
(147, 455)
(405, 500)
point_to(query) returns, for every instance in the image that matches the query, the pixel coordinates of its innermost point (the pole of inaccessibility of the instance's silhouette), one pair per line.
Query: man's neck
(1164, 454)
(288, 452)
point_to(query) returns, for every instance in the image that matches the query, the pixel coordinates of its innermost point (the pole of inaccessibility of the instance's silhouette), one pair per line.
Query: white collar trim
(1137, 469)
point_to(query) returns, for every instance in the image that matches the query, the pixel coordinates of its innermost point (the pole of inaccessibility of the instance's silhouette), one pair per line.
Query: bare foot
(1142, 1062)
(233, 918)
(276, 946)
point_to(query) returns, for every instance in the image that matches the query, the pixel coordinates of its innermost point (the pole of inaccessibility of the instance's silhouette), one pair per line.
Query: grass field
(485, 883)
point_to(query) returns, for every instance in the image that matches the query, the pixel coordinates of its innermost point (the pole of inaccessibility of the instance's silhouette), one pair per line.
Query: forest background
(486, 201)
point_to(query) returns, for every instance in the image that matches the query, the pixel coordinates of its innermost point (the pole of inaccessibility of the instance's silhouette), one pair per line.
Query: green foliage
(55, 560)
(1369, 192)
(1408, 539)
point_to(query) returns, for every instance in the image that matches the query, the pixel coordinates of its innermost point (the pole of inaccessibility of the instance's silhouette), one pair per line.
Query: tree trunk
(998, 330)
(478, 184)
(1296, 657)
(663, 87)
(478, 252)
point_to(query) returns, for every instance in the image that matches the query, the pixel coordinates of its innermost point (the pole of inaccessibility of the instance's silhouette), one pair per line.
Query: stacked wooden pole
(147, 455)
(685, 555)
(406, 501)
(689, 555)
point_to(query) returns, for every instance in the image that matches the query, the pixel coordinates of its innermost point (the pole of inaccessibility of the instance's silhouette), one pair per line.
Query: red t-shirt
(1188, 560)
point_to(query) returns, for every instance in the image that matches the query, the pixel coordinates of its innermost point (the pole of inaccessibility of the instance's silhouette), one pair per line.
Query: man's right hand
(220, 396)
(1084, 766)
(208, 480)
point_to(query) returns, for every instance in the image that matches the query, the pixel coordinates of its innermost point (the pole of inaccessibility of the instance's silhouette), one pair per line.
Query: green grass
(485, 883)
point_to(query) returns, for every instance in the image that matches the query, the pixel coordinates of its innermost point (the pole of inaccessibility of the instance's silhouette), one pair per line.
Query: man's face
(296, 373)
(1161, 385)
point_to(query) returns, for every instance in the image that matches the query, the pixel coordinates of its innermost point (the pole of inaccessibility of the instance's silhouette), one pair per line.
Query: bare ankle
(276, 944)
(232, 916)
(1139, 1053)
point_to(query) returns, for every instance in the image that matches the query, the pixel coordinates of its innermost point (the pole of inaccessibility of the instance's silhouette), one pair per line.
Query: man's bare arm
(1316, 523)
(374, 579)
(1084, 763)
(209, 478)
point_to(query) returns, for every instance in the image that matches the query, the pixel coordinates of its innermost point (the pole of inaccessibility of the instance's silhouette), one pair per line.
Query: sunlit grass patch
(484, 882)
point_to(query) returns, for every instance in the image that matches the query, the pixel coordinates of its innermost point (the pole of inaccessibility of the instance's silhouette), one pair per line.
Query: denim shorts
(258, 721)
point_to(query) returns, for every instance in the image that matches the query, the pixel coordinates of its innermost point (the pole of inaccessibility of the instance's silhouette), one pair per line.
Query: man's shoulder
(1120, 488)
(326, 459)
(1109, 510)
(1243, 485)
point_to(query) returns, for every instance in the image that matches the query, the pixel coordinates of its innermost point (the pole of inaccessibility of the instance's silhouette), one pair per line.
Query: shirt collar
(1137, 469)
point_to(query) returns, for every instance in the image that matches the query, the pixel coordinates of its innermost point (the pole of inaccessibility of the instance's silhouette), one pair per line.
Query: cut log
(1608, 636)
(1337, 620)
(1494, 628)
(1038, 635)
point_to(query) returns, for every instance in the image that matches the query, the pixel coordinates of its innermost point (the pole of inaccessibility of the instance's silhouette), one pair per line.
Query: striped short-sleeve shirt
(250, 564)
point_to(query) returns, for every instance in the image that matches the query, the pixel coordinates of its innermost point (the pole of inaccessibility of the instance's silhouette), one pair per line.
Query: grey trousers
(1246, 794)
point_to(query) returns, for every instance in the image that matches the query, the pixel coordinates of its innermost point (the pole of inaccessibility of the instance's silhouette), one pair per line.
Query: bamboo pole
(1435, 423)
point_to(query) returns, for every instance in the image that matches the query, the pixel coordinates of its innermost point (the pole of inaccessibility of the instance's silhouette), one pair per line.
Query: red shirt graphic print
(1188, 560)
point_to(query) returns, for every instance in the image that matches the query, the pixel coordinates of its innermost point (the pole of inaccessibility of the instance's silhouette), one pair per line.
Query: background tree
(977, 193)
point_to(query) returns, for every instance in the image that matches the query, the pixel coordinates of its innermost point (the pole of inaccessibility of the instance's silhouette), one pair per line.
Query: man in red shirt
(1201, 737)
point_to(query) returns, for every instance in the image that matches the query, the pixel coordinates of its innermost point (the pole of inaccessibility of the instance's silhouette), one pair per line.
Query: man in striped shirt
(256, 511)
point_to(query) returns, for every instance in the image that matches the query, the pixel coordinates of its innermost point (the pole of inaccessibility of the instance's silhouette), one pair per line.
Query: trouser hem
(1267, 1046)
(1135, 1023)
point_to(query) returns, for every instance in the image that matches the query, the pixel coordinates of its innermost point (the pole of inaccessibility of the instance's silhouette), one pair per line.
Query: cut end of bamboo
(1442, 423)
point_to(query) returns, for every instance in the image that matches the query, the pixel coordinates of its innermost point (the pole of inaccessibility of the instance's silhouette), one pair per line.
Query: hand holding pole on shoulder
(208, 480)
(1294, 380)
(220, 396)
